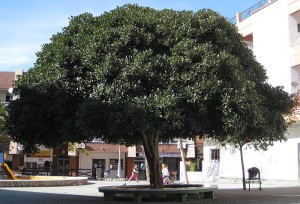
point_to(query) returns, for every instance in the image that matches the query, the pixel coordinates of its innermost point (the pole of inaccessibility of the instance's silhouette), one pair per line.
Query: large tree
(264, 123)
(4, 139)
(3, 116)
(136, 75)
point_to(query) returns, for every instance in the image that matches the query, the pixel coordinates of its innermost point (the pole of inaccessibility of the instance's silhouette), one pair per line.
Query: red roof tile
(6, 80)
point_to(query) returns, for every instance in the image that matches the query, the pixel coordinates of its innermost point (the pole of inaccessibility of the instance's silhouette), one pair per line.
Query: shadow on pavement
(24, 197)
(280, 195)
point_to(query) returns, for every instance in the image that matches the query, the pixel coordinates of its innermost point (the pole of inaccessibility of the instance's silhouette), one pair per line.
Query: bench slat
(180, 194)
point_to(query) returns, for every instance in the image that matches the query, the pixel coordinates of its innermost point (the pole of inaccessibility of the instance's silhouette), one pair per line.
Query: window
(113, 164)
(298, 27)
(215, 154)
(171, 162)
(7, 98)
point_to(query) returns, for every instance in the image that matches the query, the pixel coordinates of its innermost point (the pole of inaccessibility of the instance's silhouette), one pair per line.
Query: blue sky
(25, 25)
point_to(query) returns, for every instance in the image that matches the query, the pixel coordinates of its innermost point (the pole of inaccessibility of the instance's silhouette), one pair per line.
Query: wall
(39, 160)
(274, 32)
(193, 176)
(85, 161)
(279, 162)
(271, 42)
(3, 95)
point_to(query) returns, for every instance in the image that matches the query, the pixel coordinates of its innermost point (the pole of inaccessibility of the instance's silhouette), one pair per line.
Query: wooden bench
(177, 192)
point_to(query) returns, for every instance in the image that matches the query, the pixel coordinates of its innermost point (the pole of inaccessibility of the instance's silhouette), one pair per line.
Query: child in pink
(134, 173)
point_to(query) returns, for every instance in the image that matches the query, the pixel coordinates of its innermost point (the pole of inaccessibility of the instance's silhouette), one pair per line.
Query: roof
(6, 80)
(103, 147)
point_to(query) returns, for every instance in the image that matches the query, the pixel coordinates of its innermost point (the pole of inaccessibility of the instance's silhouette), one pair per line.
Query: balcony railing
(4, 103)
(233, 20)
(247, 13)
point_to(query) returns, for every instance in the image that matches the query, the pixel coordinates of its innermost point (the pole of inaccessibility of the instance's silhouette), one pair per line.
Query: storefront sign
(163, 154)
(41, 153)
(190, 151)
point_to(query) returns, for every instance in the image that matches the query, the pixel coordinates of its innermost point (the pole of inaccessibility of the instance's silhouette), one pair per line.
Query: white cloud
(15, 57)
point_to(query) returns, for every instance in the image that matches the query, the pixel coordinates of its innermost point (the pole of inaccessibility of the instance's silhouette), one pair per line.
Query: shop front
(37, 163)
(103, 160)
(172, 159)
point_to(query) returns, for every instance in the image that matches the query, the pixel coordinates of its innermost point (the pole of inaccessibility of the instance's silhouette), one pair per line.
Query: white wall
(274, 32)
(39, 160)
(279, 162)
(85, 161)
(271, 42)
(2, 95)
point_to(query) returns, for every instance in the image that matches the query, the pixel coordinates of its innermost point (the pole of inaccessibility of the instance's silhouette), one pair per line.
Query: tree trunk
(243, 167)
(182, 152)
(150, 143)
(147, 170)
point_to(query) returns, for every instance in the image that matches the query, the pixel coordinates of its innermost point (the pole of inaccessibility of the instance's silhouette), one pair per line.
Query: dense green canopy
(136, 75)
(4, 139)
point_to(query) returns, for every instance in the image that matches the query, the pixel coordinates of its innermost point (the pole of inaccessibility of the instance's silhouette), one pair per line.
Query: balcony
(250, 11)
(295, 55)
(294, 6)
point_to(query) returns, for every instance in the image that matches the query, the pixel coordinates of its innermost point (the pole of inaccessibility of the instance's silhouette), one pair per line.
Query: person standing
(134, 173)
(165, 173)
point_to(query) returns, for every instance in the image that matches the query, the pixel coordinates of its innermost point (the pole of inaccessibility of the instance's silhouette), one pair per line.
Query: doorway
(63, 166)
(98, 164)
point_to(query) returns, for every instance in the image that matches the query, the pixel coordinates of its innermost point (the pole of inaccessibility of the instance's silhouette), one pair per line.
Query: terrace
(250, 11)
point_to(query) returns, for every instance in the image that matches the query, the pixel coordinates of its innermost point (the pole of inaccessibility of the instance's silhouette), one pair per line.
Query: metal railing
(34, 171)
(245, 14)
(59, 172)
(233, 20)
(248, 12)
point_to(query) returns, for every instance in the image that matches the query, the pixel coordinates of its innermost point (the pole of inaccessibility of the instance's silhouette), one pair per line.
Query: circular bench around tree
(171, 192)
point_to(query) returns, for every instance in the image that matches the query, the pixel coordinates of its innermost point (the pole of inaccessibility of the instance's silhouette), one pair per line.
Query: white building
(271, 29)
(6, 95)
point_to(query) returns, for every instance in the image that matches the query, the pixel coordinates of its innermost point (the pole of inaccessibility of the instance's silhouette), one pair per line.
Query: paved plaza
(272, 192)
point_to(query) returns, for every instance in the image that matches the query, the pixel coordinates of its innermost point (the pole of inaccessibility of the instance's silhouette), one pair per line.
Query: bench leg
(109, 196)
(208, 195)
(259, 184)
(138, 198)
(181, 197)
(249, 185)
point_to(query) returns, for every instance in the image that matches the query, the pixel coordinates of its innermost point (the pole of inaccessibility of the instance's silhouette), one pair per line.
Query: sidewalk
(274, 192)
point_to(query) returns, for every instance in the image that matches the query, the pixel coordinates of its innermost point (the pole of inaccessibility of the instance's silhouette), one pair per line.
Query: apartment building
(6, 85)
(271, 29)
(6, 95)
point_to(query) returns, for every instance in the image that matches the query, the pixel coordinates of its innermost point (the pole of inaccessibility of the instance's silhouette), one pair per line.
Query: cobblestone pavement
(273, 192)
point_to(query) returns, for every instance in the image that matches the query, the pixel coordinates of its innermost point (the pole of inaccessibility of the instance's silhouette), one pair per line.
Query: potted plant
(193, 165)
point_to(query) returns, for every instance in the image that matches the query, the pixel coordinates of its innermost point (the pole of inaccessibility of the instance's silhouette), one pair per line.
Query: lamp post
(119, 163)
